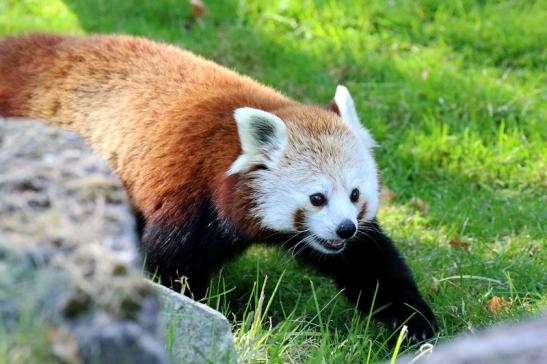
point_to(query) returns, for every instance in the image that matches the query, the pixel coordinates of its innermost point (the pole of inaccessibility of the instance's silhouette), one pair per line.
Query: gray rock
(524, 342)
(70, 273)
(199, 333)
(56, 192)
(71, 288)
(119, 342)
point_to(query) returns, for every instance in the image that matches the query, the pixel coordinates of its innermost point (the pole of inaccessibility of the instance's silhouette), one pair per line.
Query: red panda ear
(334, 107)
(263, 137)
(343, 106)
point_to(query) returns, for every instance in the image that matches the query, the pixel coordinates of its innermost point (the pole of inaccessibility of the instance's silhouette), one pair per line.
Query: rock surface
(71, 287)
(202, 335)
(524, 342)
(70, 268)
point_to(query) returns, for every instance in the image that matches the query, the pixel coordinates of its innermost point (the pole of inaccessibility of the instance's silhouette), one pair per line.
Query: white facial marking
(302, 172)
(326, 220)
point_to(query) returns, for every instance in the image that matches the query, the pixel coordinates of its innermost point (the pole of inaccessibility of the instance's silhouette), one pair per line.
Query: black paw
(417, 316)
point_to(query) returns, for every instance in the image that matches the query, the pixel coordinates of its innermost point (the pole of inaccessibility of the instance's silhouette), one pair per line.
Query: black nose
(346, 229)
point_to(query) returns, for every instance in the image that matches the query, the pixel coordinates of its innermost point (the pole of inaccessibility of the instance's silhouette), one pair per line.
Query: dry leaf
(498, 304)
(458, 243)
(425, 74)
(386, 195)
(198, 8)
(419, 204)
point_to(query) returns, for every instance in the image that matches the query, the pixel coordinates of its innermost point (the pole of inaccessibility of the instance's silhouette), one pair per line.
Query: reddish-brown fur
(151, 109)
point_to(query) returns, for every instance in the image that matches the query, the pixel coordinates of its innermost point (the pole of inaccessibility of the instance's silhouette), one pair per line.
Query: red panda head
(310, 171)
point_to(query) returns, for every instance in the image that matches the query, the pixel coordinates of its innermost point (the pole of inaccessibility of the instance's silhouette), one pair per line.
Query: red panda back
(21, 59)
(161, 116)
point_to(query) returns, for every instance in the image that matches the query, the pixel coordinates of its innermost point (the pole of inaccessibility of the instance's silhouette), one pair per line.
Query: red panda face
(311, 173)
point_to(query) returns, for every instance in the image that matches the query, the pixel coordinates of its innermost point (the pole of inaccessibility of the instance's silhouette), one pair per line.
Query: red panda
(214, 161)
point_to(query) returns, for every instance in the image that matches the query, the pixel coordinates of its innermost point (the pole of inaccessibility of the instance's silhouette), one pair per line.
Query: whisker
(303, 243)
(292, 249)
(367, 226)
(370, 238)
(294, 235)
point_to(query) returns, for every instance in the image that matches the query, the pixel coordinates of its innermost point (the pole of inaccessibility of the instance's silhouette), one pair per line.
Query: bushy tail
(23, 59)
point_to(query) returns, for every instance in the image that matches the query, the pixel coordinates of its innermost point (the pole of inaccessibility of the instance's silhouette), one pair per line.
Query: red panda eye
(318, 199)
(354, 197)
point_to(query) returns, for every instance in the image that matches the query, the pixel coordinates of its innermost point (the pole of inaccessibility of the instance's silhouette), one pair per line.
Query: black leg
(170, 258)
(371, 262)
(191, 249)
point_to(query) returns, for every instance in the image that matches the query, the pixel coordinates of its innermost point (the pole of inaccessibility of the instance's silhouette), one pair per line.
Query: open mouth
(334, 244)
(325, 246)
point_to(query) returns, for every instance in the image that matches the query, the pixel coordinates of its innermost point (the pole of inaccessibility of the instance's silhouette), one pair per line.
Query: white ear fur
(263, 136)
(348, 113)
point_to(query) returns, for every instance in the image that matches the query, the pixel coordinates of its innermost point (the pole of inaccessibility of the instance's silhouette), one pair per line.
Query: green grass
(455, 93)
